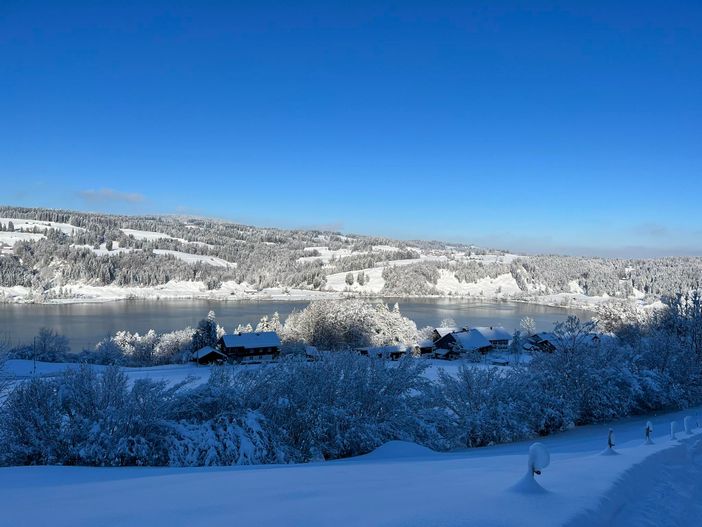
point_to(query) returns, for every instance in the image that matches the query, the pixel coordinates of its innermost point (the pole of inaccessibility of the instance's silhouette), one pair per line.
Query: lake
(86, 324)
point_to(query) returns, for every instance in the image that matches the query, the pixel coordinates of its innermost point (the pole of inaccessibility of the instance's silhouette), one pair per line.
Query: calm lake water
(86, 324)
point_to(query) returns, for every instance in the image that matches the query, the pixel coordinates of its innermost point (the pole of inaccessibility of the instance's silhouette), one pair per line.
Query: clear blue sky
(537, 126)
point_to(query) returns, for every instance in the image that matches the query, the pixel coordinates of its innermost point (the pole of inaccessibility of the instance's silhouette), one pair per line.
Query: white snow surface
(196, 258)
(173, 373)
(148, 235)
(41, 225)
(10, 238)
(399, 484)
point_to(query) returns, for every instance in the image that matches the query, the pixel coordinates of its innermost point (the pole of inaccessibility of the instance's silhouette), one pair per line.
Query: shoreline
(559, 300)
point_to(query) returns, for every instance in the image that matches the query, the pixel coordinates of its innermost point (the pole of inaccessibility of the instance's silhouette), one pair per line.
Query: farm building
(548, 342)
(384, 352)
(498, 336)
(439, 333)
(208, 355)
(424, 348)
(454, 344)
(250, 347)
(541, 342)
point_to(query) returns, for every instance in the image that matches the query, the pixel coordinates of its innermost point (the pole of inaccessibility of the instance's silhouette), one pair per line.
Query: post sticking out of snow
(687, 423)
(539, 459)
(673, 429)
(609, 451)
(649, 433)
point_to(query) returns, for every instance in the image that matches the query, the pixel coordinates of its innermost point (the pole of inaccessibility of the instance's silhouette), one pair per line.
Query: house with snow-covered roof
(439, 333)
(423, 348)
(544, 341)
(208, 355)
(250, 347)
(498, 336)
(453, 345)
(384, 352)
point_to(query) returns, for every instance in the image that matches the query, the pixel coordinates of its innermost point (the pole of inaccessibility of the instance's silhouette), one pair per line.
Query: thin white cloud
(652, 230)
(105, 195)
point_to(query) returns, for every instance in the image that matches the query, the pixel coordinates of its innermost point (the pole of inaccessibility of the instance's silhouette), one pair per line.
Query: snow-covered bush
(31, 425)
(342, 405)
(86, 418)
(173, 347)
(349, 323)
(483, 407)
(47, 346)
(225, 440)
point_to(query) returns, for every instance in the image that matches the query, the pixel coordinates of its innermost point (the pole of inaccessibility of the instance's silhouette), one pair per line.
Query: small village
(493, 344)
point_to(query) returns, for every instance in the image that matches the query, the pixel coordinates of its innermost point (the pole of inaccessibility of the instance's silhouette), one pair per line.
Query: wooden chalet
(250, 347)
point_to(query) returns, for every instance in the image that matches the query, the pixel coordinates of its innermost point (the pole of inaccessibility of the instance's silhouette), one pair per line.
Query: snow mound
(400, 450)
(528, 485)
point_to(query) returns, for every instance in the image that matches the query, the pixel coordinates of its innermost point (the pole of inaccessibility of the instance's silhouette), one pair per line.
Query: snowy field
(400, 484)
(196, 258)
(149, 235)
(173, 373)
(22, 224)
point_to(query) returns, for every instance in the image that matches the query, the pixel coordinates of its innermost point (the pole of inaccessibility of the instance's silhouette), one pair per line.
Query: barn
(440, 333)
(208, 355)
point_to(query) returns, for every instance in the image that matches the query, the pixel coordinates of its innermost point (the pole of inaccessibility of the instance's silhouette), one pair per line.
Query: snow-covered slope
(22, 224)
(196, 258)
(398, 485)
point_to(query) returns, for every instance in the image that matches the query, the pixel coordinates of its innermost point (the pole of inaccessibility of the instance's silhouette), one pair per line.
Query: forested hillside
(53, 254)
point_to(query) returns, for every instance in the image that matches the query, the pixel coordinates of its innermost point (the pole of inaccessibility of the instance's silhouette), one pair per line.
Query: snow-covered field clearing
(374, 276)
(102, 250)
(148, 235)
(181, 290)
(10, 238)
(196, 258)
(399, 484)
(325, 254)
(503, 286)
(40, 225)
(186, 257)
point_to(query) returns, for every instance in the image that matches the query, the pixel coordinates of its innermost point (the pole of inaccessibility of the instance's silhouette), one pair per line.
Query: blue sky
(535, 126)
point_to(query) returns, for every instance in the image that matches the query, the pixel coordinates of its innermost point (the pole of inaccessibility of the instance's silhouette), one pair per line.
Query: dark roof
(204, 352)
(263, 339)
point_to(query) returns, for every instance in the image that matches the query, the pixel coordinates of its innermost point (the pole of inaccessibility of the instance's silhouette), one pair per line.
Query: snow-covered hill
(65, 256)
